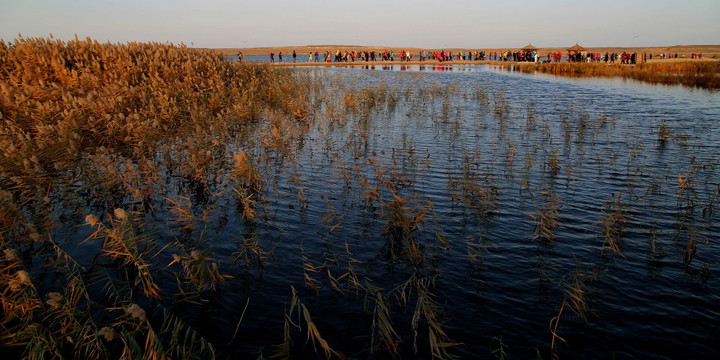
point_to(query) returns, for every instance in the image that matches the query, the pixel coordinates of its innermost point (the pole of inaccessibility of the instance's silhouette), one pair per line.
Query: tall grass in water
(475, 190)
(402, 221)
(546, 218)
(611, 225)
(702, 74)
(114, 124)
(576, 287)
(247, 183)
(282, 351)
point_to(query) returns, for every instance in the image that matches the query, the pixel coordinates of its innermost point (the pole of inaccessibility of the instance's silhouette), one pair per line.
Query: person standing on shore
(294, 55)
(272, 57)
(280, 56)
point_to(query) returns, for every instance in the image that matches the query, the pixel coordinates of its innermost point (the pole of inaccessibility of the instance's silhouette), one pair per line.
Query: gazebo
(527, 52)
(529, 48)
(574, 52)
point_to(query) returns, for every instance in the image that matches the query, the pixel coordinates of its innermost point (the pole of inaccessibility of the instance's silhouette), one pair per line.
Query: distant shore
(679, 65)
(683, 51)
(290, 63)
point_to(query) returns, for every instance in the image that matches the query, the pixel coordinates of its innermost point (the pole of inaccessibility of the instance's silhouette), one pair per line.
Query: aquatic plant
(72, 321)
(475, 190)
(575, 290)
(126, 249)
(546, 218)
(498, 348)
(426, 309)
(382, 327)
(686, 194)
(248, 183)
(106, 121)
(402, 221)
(663, 133)
(478, 248)
(552, 164)
(199, 270)
(689, 73)
(611, 224)
(313, 334)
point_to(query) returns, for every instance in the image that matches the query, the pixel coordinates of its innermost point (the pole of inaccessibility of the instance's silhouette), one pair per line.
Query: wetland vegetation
(163, 202)
(701, 74)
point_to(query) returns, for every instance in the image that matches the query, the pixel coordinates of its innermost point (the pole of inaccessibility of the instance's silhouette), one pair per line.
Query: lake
(468, 209)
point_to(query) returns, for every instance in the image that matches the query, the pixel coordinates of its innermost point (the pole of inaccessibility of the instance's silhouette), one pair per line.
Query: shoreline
(455, 62)
(708, 51)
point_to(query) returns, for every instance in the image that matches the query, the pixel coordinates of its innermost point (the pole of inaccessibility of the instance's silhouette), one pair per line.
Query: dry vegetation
(697, 73)
(113, 124)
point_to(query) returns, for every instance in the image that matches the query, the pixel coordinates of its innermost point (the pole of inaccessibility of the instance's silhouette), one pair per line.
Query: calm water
(438, 132)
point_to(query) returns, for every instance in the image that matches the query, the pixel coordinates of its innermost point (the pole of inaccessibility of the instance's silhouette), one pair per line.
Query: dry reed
(703, 74)
(109, 120)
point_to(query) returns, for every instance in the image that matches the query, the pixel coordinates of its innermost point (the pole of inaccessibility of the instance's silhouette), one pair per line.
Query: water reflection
(515, 70)
(419, 67)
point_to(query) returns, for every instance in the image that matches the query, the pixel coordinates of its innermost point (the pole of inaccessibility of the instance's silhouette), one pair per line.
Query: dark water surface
(481, 150)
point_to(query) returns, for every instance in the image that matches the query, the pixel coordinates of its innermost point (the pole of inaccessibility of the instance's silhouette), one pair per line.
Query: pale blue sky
(422, 23)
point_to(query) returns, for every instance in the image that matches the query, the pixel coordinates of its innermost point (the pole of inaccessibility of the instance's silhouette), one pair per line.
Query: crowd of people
(438, 55)
(444, 55)
(609, 57)
(675, 56)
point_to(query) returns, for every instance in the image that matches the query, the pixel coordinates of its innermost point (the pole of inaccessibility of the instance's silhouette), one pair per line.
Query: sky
(420, 23)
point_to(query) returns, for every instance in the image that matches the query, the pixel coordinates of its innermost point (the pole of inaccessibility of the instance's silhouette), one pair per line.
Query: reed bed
(113, 123)
(158, 201)
(701, 74)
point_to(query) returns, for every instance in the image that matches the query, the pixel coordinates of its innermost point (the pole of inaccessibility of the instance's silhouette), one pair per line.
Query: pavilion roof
(576, 47)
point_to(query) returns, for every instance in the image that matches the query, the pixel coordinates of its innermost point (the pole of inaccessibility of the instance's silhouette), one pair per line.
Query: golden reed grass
(703, 74)
(59, 101)
(107, 121)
